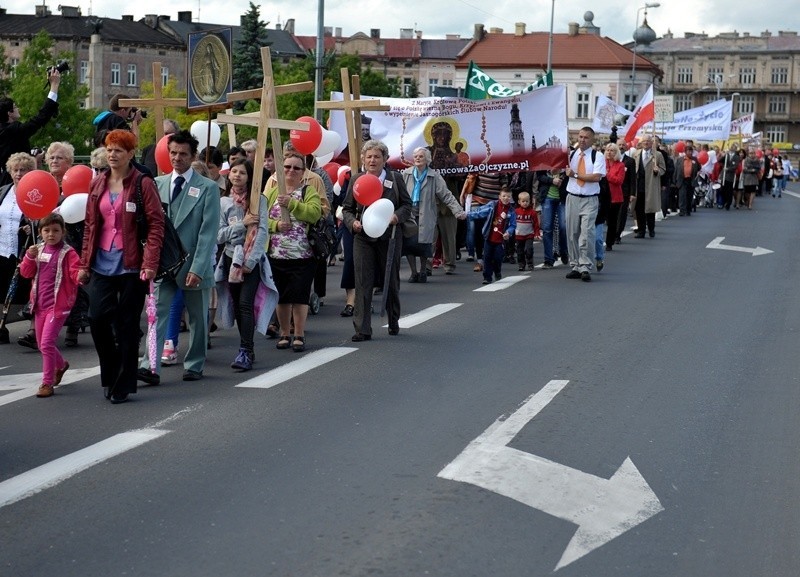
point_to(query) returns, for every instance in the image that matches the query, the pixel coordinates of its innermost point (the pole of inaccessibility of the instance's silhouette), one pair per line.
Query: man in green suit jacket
(193, 202)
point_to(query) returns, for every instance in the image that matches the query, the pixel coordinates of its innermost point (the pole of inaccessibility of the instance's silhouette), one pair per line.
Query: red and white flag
(643, 113)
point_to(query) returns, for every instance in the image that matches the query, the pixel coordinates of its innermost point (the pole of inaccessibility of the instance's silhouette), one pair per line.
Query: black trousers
(115, 307)
(370, 258)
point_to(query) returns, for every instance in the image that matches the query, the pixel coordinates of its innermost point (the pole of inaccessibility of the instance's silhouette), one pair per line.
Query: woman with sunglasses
(291, 211)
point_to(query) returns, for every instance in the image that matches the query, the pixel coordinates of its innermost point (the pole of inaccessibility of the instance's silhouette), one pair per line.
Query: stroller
(704, 192)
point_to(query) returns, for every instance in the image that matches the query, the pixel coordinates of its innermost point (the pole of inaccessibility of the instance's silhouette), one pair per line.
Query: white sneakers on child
(169, 356)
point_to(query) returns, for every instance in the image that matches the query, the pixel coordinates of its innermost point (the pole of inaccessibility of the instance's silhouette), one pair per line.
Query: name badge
(130, 207)
(193, 191)
(233, 220)
(44, 256)
(387, 184)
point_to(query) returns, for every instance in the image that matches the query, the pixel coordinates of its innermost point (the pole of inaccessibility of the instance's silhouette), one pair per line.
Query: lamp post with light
(641, 35)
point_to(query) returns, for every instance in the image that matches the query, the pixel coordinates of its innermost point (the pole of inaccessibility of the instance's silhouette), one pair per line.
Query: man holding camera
(15, 135)
(116, 118)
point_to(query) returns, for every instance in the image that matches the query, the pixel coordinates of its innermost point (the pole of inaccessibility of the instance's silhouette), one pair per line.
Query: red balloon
(78, 178)
(37, 194)
(162, 155)
(759, 153)
(367, 189)
(306, 141)
(776, 152)
(680, 146)
(332, 168)
(702, 157)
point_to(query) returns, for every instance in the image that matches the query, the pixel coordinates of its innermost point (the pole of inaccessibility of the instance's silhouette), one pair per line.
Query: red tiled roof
(583, 51)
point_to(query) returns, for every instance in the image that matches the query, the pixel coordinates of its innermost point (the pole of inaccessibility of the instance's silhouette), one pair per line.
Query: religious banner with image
(524, 132)
(210, 76)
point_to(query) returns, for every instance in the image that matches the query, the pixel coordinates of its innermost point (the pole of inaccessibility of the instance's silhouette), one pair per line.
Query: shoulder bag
(173, 254)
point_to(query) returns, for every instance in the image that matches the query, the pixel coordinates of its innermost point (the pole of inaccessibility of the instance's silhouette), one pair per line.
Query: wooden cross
(266, 119)
(158, 103)
(352, 107)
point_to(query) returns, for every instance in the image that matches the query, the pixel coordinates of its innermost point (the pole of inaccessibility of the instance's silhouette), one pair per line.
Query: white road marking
(501, 284)
(25, 385)
(296, 368)
(717, 243)
(603, 509)
(54, 472)
(427, 314)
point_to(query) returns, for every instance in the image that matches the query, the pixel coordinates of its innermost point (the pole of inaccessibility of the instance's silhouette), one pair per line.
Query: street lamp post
(733, 113)
(644, 35)
(550, 39)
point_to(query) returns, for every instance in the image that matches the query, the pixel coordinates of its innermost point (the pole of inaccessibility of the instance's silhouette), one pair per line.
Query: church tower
(516, 135)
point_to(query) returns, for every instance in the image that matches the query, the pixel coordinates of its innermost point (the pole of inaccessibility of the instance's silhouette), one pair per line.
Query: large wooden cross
(266, 119)
(352, 105)
(158, 103)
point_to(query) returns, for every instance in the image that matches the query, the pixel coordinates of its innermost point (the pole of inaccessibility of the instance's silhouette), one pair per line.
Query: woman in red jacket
(120, 269)
(615, 174)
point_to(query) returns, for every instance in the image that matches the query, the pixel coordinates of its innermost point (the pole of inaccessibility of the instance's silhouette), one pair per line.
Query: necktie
(646, 156)
(581, 168)
(176, 188)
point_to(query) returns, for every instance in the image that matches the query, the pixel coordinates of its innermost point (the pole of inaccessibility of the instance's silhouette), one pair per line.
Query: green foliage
(5, 73)
(73, 124)
(247, 71)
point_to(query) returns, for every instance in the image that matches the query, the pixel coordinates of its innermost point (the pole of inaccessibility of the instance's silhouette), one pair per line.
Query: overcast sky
(616, 18)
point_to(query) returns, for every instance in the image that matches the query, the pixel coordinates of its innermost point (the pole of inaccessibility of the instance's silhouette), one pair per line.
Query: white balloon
(73, 209)
(340, 213)
(376, 217)
(337, 188)
(342, 169)
(200, 130)
(323, 160)
(328, 143)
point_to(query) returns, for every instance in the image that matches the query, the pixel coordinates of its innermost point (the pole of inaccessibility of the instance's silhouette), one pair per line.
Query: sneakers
(45, 391)
(600, 264)
(521, 267)
(574, 274)
(169, 356)
(28, 340)
(547, 265)
(243, 361)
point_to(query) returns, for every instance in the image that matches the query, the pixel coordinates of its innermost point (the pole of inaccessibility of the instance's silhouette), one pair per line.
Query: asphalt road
(642, 424)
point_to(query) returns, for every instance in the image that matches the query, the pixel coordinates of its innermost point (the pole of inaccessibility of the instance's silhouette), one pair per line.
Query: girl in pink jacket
(53, 265)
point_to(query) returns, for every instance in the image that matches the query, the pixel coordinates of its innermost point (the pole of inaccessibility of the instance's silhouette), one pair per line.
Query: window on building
(115, 74)
(629, 100)
(746, 104)
(684, 75)
(777, 105)
(406, 87)
(776, 133)
(716, 73)
(582, 102)
(131, 75)
(432, 84)
(747, 75)
(164, 75)
(683, 102)
(709, 98)
(447, 82)
(83, 78)
(780, 75)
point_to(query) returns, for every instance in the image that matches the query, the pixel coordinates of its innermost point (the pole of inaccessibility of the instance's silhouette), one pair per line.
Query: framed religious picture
(210, 70)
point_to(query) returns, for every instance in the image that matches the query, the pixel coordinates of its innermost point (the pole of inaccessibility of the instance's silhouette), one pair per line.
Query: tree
(73, 124)
(5, 72)
(247, 72)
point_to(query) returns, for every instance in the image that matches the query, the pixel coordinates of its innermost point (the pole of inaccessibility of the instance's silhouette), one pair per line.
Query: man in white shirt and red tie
(585, 169)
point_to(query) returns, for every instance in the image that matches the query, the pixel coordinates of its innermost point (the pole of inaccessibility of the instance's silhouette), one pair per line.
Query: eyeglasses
(292, 167)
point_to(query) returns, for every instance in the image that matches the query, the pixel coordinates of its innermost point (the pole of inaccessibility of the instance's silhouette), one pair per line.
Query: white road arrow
(717, 243)
(603, 509)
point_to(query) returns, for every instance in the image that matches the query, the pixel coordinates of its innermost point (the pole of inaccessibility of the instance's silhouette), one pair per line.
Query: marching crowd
(256, 268)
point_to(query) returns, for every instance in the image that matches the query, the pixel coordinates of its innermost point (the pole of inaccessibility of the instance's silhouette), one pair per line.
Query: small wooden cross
(352, 107)
(266, 119)
(158, 103)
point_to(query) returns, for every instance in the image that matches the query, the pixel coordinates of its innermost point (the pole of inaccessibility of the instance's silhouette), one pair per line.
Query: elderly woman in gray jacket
(426, 186)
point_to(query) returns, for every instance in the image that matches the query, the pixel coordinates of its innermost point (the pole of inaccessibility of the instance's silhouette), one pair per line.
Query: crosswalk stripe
(54, 472)
(295, 368)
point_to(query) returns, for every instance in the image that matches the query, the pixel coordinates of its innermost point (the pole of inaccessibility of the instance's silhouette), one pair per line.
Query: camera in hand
(62, 66)
(133, 112)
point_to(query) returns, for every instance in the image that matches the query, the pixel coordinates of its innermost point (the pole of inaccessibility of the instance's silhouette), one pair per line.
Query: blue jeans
(493, 259)
(550, 208)
(475, 234)
(600, 241)
(175, 315)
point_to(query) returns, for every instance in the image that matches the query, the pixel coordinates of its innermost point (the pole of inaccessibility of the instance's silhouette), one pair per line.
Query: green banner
(481, 86)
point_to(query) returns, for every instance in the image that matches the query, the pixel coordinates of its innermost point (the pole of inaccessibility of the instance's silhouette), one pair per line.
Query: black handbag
(322, 238)
(173, 255)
